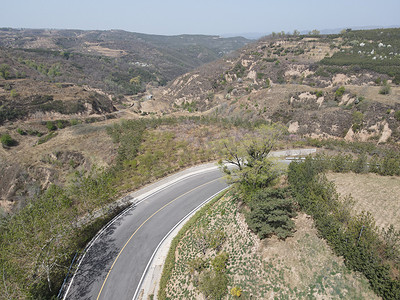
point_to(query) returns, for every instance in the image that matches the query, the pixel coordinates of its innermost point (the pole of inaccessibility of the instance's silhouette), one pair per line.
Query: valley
(87, 117)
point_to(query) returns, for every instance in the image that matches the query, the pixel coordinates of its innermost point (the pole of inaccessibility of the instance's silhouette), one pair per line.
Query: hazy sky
(200, 16)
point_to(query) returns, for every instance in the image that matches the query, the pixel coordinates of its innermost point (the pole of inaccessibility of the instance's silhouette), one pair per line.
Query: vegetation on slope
(108, 60)
(377, 50)
(38, 243)
(364, 248)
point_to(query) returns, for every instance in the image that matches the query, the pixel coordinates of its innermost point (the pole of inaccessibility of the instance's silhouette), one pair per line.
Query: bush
(60, 124)
(319, 94)
(339, 92)
(7, 140)
(21, 132)
(51, 126)
(74, 122)
(357, 119)
(385, 90)
(14, 93)
(213, 284)
(397, 115)
(47, 137)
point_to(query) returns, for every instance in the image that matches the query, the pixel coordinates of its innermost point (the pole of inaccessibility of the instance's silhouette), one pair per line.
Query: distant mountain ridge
(123, 55)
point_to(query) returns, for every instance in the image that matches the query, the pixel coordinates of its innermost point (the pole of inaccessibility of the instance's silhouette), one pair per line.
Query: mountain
(109, 59)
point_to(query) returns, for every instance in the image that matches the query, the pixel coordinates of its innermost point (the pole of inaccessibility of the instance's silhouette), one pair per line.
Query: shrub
(21, 132)
(357, 119)
(5, 71)
(51, 126)
(213, 284)
(60, 124)
(7, 140)
(47, 137)
(397, 115)
(319, 94)
(13, 93)
(236, 291)
(385, 90)
(339, 92)
(74, 122)
(267, 83)
(396, 79)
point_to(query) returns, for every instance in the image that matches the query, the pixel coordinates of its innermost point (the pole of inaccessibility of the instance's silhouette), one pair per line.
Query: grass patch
(47, 137)
(170, 260)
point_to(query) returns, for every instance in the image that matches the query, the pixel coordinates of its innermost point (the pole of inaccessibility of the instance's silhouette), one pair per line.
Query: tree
(242, 151)
(296, 32)
(271, 213)
(4, 71)
(249, 154)
(135, 80)
(314, 32)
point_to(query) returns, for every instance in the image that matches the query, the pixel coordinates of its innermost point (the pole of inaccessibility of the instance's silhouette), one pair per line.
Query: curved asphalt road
(114, 264)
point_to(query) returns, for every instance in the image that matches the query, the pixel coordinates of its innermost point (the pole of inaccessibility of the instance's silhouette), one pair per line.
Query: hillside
(340, 86)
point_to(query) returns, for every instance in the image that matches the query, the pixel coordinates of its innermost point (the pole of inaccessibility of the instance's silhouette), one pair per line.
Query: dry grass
(377, 194)
(372, 93)
(27, 88)
(89, 139)
(302, 267)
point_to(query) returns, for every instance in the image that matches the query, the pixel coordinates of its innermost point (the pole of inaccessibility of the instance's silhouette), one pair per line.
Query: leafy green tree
(360, 164)
(357, 119)
(249, 154)
(296, 32)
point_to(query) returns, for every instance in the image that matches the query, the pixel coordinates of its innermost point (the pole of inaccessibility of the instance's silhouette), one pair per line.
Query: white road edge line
(141, 199)
(184, 219)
